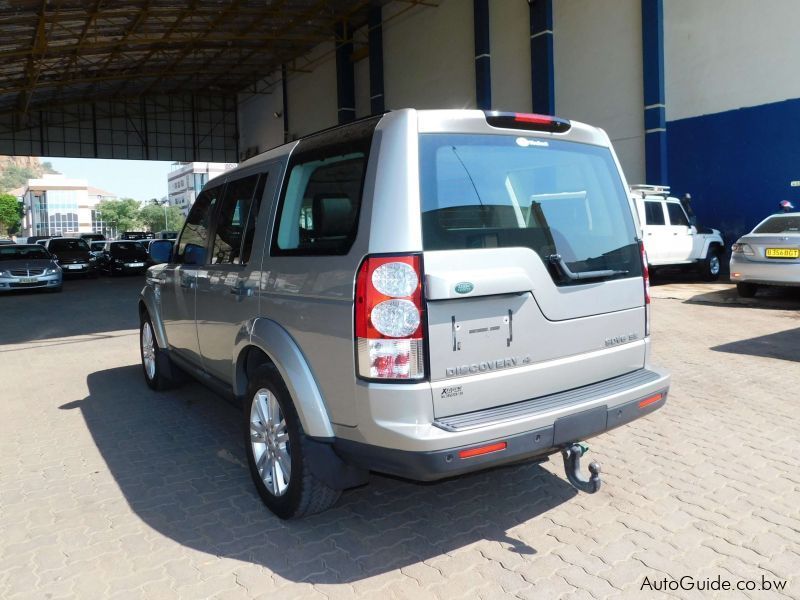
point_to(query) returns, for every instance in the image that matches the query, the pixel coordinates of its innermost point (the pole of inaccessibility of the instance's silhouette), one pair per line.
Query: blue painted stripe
(653, 91)
(345, 74)
(376, 98)
(542, 69)
(483, 68)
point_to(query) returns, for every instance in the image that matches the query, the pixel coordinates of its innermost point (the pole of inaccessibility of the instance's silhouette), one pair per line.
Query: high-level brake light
(389, 318)
(527, 121)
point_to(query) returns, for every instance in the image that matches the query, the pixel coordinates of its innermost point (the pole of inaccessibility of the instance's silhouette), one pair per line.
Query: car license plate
(27, 280)
(73, 267)
(135, 265)
(783, 252)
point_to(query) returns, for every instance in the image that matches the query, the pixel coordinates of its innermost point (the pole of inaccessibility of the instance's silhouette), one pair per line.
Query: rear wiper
(557, 261)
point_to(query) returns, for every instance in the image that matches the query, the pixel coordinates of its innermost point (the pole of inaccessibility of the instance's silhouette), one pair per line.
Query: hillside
(16, 170)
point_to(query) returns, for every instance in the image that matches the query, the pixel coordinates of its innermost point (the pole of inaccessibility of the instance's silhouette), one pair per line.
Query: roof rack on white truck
(670, 236)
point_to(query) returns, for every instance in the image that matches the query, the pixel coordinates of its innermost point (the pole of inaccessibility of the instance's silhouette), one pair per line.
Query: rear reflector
(650, 400)
(482, 450)
(527, 121)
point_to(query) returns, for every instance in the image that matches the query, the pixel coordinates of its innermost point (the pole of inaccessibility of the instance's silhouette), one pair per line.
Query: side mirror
(160, 251)
(194, 255)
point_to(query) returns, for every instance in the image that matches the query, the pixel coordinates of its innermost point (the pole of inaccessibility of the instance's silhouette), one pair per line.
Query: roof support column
(542, 68)
(377, 103)
(483, 71)
(345, 75)
(655, 119)
(285, 103)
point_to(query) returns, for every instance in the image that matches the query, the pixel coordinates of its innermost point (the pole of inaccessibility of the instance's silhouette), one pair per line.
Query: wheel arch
(269, 343)
(147, 306)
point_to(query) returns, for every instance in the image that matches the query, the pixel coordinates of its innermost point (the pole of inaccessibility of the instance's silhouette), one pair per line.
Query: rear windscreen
(561, 199)
(780, 224)
(68, 244)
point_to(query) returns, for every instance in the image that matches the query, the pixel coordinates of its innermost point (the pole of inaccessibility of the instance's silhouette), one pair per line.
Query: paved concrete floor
(108, 490)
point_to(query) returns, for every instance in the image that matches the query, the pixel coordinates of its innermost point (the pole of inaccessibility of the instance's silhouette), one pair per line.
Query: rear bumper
(770, 273)
(592, 410)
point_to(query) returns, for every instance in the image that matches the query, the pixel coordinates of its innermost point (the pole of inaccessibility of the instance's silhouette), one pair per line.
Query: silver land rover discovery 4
(420, 293)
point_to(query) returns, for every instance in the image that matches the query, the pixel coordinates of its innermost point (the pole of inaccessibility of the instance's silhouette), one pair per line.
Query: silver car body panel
(758, 268)
(304, 322)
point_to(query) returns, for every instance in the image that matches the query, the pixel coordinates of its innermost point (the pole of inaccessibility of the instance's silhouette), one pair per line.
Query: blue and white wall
(733, 107)
(707, 100)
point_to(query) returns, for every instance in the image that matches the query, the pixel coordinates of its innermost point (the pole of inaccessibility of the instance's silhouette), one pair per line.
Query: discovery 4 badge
(464, 287)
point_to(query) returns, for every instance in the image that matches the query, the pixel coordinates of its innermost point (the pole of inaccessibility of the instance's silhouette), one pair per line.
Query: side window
(252, 220)
(232, 219)
(654, 214)
(320, 205)
(193, 240)
(676, 215)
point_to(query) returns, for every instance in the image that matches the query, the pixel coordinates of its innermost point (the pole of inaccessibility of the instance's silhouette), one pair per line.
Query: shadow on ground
(84, 307)
(178, 458)
(784, 345)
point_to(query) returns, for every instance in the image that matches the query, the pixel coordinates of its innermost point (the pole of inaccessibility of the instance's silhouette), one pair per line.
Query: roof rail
(656, 190)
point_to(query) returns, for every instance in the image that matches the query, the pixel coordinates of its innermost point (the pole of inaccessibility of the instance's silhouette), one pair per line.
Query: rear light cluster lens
(742, 249)
(527, 121)
(388, 318)
(646, 277)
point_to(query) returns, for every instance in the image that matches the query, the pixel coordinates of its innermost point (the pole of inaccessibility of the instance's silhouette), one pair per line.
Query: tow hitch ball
(572, 467)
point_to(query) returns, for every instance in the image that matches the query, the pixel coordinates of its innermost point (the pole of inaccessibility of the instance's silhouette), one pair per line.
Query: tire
(155, 363)
(746, 290)
(712, 265)
(269, 415)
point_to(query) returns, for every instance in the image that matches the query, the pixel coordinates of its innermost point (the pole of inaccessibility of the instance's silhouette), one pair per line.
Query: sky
(138, 179)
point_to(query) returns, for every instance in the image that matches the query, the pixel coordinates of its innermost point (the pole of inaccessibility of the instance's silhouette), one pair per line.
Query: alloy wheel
(269, 438)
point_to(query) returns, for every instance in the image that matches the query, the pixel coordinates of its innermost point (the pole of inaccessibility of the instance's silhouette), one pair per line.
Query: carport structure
(152, 79)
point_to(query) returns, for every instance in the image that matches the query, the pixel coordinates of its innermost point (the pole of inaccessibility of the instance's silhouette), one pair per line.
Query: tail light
(646, 278)
(389, 318)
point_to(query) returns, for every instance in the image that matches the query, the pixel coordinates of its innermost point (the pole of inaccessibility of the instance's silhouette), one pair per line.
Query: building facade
(186, 180)
(696, 95)
(57, 206)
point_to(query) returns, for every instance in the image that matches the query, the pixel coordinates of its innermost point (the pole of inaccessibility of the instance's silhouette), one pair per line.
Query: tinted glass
(555, 197)
(252, 220)
(780, 224)
(67, 245)
(654, 214)
(676, 215)
(194, 237)
(128, 249)
(321, 197)
(13, 252)
(233, 214)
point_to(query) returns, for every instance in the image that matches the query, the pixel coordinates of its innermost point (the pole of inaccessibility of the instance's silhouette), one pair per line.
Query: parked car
(166, 235)
(5, 241)
(92, 237)
(35, 239)
(137, 235)
(670, 237)
(120, 258)
(28, 266)
(769, 255)
(72, 255)
(97, 247)
(439, 292)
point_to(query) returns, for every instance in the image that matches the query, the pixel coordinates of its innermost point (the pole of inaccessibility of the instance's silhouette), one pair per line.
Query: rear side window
(232, 219)
(321, 197)
(654, 213)
(561, 199)
(676, 215)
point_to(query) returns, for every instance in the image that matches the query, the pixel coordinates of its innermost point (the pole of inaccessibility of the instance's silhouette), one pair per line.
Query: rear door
(657, 237)
(531, 258)
(227, 284)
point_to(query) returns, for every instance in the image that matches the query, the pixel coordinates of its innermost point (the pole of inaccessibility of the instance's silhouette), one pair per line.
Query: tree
(120, 215)
(10, 214)
(152, 215)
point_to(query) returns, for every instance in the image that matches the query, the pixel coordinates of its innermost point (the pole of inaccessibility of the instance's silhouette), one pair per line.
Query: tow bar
(572, 467)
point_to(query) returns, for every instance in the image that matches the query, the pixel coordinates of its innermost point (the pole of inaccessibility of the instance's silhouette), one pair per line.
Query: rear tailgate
(533, 275)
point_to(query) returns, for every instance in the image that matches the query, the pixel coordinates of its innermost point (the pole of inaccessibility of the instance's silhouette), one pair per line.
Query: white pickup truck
(670, 238)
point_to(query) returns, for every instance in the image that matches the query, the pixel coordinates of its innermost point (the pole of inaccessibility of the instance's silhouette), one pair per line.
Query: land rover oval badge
(465, 287)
